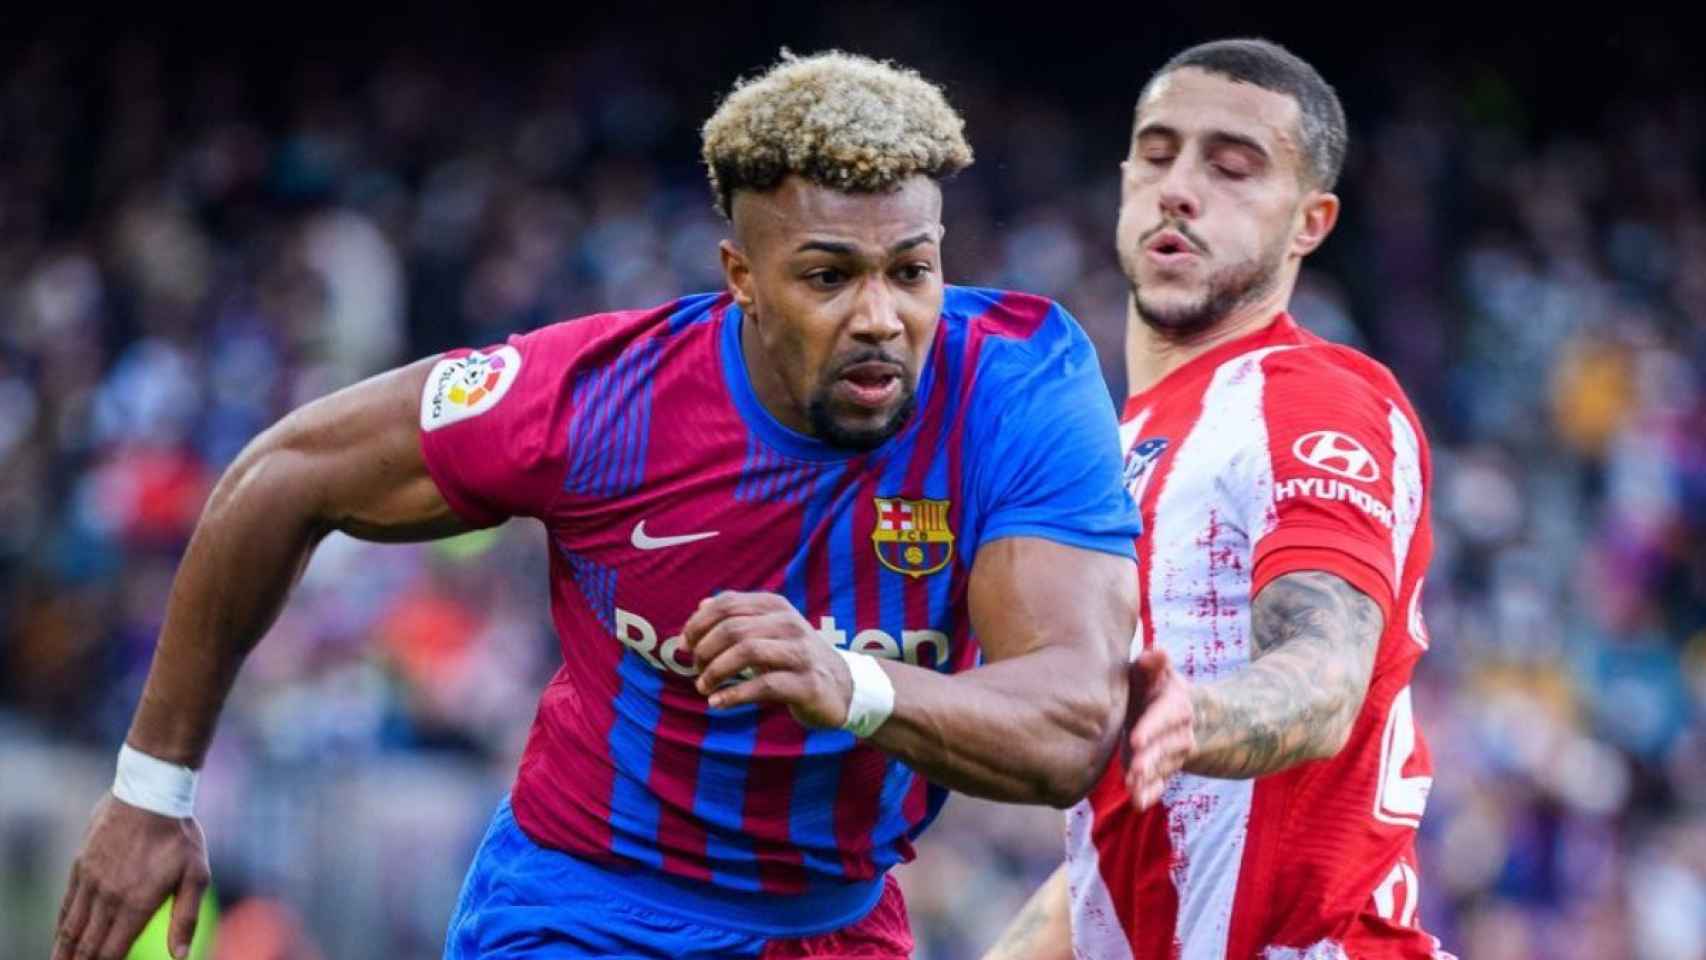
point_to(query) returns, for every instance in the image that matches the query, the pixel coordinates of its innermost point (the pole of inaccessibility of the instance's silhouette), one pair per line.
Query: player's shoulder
(1314, 371)
(595, 340)
(1011, 327)
(621, 327)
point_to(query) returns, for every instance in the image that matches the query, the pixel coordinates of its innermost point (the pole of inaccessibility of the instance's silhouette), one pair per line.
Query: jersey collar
(784, 439)
(1282, 329)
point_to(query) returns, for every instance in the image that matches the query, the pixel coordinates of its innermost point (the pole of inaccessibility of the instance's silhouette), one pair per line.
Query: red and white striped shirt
(1271, 454)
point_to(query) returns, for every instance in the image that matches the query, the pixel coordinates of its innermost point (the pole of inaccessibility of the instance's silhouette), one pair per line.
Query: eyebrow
(848, 249)
(1215, 137)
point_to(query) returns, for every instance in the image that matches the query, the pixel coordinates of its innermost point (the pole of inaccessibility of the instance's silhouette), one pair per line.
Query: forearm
(1315, 638)
(252, 541)
(1035, 728)
(1043, 929)
(1271, 715)
(1036, 724)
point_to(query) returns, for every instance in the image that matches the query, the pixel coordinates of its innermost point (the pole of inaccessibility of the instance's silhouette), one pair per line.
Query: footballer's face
(1217, 207)
(842, 293)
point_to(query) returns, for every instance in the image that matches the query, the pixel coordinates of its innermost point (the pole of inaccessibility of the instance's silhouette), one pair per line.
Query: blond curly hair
(838, 119)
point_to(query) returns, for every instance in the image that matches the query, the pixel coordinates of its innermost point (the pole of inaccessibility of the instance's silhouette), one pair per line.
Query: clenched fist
(763, 644)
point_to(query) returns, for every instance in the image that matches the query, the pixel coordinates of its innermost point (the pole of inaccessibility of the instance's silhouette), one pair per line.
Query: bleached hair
(838, 119)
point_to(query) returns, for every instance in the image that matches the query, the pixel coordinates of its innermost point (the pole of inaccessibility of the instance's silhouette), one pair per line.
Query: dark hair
(1272, 67)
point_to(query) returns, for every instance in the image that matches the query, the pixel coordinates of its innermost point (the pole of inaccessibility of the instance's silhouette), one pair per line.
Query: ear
(737, 271)
(1319, 213)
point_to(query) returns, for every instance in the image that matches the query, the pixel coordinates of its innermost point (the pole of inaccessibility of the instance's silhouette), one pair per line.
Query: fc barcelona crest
(912, 536)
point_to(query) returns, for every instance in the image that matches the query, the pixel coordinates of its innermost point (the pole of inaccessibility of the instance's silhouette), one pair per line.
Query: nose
(1179, 196)
(875, 319)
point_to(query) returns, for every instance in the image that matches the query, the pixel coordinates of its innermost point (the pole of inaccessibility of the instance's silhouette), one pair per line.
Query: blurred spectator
(261, 928)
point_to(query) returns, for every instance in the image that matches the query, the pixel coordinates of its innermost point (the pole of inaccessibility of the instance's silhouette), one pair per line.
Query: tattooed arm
(1314, 638)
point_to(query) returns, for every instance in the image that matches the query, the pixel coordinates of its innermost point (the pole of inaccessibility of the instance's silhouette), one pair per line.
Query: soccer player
(821, 546)
(1275, 775)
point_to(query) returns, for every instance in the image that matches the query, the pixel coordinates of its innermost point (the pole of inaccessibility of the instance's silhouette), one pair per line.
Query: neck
(767, 383)
(1152, 354)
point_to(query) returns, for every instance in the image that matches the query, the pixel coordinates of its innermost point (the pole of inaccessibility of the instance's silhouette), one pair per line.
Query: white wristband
(154, 785)
(873, 694)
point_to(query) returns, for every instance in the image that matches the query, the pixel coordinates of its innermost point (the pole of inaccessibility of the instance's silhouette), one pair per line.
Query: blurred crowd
(189, 250)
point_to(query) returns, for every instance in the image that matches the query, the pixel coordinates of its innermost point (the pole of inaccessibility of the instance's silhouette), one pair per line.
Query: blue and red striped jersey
(637, 439)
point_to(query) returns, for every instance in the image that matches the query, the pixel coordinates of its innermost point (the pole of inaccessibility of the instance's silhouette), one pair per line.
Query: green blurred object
(152, 944)
(468, 545)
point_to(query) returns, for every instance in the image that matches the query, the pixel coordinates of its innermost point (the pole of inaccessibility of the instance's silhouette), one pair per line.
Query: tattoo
(1314, 637)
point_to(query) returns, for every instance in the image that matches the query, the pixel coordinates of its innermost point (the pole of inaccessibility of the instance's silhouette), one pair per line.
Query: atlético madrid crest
(912, 536)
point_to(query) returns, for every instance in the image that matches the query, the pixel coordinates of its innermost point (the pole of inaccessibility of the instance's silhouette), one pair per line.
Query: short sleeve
(1044, 442)
(493, 425)
(1346, 477)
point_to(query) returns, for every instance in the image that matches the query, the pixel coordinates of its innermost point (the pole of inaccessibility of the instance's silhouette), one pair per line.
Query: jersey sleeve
(1346, 466)
(493, 425)
(1043, 443)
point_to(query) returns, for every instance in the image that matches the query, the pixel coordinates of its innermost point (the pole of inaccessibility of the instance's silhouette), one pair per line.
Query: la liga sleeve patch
(462, 387)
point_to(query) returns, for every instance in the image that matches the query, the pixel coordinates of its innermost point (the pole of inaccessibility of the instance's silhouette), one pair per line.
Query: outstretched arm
(1314, 638)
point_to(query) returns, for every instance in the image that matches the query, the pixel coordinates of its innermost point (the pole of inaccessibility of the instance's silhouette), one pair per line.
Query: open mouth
(1170, 250)
(871, 384)
(1170, 244)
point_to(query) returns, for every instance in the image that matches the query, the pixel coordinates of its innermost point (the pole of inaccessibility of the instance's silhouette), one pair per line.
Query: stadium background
(204, 223)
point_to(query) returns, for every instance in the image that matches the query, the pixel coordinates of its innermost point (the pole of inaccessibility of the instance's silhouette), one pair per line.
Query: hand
(1162, 739)
(760, 640)
(130, 862)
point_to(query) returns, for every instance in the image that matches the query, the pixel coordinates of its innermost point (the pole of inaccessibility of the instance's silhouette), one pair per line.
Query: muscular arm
(351, 462)
(1035, 724)
(1314, 638)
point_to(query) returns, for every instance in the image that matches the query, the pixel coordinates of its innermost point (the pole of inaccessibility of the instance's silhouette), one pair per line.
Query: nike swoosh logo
(643, 542)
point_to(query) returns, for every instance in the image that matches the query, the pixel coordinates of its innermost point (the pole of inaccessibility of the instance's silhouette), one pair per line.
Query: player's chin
(860, 427)
(1168, 287)
(1171, 307)
(867, 430)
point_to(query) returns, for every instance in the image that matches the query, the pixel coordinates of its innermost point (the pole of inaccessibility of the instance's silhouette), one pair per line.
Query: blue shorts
(521, 900)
